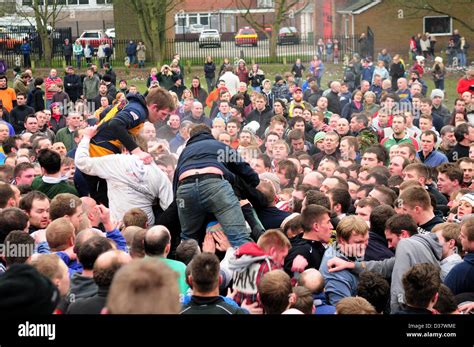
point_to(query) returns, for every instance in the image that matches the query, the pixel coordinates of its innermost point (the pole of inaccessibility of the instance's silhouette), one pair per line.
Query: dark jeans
(78, 61)
(68, 60)
(26, 60)
(210, 84)
(212, 195)
(439, 84)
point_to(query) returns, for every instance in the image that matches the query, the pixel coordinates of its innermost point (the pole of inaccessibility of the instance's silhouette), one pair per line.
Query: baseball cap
(298, 88)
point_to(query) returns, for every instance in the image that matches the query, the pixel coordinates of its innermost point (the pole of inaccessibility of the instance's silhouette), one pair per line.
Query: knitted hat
(319, 136)
(23, 290)
(273, 178)
(287, 219)
(438, 60)
(253, 126)
(437, 92)
(278, 78)
(468, 198)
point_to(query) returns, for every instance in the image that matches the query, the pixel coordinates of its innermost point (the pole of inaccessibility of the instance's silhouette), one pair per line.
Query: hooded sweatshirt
(249, 263)
(81, 287)
(417, 249)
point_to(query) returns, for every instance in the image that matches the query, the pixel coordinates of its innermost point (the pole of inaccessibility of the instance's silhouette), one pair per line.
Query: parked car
(94, 38)
(110, 33)
(196, 28)
(246, 36)
(288, 35)
(210, 37)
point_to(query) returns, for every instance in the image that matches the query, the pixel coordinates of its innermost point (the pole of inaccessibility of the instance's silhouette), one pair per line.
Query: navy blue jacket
(377, 248)
(271, 217)
(461, 278)
(202, 150)
(118, 127)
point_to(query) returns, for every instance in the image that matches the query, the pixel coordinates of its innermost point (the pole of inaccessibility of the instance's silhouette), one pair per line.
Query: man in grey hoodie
(410, 250)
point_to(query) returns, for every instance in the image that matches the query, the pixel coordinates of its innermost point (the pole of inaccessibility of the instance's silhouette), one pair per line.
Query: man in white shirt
(130, 182)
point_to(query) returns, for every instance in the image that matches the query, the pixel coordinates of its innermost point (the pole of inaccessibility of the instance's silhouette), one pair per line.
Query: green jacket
(53, 189)
(65, 136)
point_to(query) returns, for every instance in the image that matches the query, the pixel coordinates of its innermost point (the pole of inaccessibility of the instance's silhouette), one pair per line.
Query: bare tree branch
(433, 6)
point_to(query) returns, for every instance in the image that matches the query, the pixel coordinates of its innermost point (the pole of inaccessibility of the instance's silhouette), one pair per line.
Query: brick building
(393, 25)
(223, 15)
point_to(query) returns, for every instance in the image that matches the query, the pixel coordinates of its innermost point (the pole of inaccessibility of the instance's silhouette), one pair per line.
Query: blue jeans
(78, 61)
(461, 59)
(210, 84)
(211, 196)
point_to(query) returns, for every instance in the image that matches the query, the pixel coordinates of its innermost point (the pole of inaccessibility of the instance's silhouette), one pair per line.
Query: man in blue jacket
(428, 154)
(203, 182)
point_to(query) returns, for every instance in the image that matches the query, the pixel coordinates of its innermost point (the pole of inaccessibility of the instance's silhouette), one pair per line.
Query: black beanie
(23, 290)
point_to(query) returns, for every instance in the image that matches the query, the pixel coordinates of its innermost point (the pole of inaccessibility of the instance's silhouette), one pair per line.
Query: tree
(47, 14)
(441, 7)
(152, 23)
(282, 9)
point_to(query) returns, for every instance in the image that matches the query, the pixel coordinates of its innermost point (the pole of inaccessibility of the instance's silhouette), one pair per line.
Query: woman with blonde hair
(152, 77)
(438, 71)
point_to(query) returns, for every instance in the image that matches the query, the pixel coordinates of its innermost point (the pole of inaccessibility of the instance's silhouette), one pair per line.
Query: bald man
(105, 267)
(314, 179)
(314, 281)
(157, 245)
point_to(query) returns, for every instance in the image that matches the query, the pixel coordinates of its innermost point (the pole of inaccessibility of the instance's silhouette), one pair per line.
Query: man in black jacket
(202, 184)
(317, 228)
(72, 84)
(204, 279)
(67, 51)
(334, 105)
(262, 114)
(19, 113)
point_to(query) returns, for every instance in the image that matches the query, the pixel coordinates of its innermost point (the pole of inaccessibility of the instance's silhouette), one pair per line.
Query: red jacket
(465, 85)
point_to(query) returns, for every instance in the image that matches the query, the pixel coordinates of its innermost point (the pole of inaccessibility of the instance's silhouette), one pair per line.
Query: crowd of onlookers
(262, 196)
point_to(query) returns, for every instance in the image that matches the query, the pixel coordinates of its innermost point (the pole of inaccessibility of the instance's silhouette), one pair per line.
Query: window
(265, 3)
(91, 35)
(204, 19)
(193, 19)
(442, 25)
(182, 21)
(72, 2)
(27, 2)
(83, 2)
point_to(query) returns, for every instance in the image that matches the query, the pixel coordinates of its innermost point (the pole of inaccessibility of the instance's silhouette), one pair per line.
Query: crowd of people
(253, 196)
